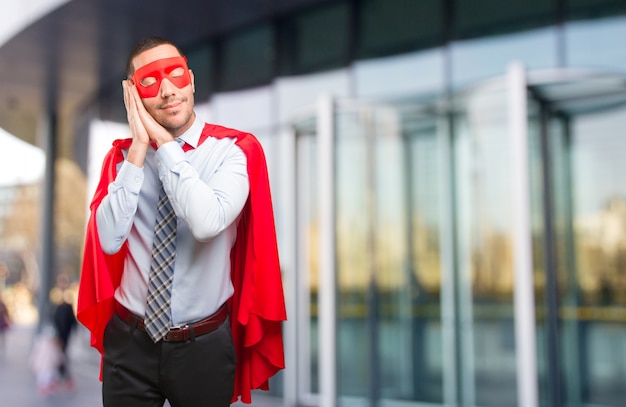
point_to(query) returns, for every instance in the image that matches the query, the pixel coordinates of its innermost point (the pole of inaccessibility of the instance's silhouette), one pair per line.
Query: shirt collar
(192, 135)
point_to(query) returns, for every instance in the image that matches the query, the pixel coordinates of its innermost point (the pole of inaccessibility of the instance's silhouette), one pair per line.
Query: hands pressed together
(143, 127)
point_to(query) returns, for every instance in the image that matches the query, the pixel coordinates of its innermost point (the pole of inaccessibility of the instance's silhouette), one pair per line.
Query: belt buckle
(174, 330)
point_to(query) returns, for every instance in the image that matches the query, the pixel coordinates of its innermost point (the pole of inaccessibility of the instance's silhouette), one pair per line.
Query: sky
(20, 162)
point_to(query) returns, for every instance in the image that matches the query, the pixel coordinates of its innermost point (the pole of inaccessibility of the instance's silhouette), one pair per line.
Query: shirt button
(174, 292)
(137, 180)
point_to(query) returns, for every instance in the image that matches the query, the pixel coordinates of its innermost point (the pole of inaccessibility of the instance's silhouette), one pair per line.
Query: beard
(175, 121)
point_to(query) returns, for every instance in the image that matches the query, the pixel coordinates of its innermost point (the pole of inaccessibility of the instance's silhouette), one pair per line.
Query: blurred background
(447, 175)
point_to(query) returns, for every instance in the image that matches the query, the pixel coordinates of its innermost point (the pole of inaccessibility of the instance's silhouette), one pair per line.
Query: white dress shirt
(208, 187)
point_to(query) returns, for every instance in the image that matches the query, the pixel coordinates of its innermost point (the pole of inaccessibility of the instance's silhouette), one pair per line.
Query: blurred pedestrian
(45, 359)
(5, 323)
(64, 323)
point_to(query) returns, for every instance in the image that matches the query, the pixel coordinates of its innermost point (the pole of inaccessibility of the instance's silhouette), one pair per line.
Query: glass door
(576, 232)
(387, 195)
(580, 141)
(443, 289)
(485, 249)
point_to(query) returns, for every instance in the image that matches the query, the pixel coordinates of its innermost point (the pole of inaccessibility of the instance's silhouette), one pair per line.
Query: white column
(525, 335)
(288, 248)
(326, 287)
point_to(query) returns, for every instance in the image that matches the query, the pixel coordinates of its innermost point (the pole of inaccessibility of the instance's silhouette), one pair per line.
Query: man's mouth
(171, 105)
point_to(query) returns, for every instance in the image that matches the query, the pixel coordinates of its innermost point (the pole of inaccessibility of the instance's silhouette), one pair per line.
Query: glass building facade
(442, 171)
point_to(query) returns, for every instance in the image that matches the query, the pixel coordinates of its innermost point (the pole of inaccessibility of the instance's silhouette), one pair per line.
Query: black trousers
(137, 372)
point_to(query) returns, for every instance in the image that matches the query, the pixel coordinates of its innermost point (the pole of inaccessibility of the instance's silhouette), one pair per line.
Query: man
(5, 324)
(219, 286)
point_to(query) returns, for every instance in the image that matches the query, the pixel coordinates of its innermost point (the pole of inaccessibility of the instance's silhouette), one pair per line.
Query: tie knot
(185, 146)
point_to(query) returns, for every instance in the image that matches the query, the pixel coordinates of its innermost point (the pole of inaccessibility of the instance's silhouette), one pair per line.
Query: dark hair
(144, 45)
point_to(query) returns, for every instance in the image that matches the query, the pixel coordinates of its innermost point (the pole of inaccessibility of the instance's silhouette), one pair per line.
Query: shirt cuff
(130, 177)
(168, 156)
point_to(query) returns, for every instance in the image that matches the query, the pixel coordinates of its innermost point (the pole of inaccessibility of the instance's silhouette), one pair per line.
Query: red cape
(257, 306)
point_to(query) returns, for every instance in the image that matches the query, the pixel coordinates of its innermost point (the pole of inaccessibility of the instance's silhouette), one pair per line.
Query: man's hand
(141, 139)
(137, 129)
(144, 128)
(144, 120)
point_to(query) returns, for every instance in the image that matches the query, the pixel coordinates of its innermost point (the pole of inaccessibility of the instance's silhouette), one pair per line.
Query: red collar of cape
(257, 306)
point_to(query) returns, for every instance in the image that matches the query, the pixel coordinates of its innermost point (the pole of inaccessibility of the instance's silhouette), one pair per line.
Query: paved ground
(17, 381)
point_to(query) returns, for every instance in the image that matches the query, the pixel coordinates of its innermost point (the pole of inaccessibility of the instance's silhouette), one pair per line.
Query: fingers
(137, 129)
(125, 91)
(136, 102)
(144, 127)
(156, 131)
(129, 102)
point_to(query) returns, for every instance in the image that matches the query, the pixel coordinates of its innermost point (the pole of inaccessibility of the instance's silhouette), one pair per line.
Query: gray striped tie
(161, 270)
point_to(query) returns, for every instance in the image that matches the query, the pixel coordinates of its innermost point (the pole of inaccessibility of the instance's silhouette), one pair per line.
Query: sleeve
(116, 211)
(209, 205)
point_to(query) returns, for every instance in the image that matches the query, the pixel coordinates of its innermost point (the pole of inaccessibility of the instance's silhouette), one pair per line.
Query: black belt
(182, 333)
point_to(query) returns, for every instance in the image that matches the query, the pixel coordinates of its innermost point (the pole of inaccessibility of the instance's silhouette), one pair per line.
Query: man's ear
(193, 83)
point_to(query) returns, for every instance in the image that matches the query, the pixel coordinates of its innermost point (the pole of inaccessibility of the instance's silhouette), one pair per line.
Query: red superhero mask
(148, 78)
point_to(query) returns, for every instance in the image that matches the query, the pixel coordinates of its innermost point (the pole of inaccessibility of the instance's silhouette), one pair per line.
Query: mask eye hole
(177, 72)
(148, 81)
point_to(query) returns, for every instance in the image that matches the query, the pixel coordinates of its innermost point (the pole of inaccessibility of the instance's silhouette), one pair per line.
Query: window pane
(593, 44)
(599, 219)
(483, 58)
(200, 61)
(247, 59)
(389, 329)
(392, 26)
(485, 252)
(353, 230)
(411, 336)
(577, 9)
(322, 39)
(476, 18)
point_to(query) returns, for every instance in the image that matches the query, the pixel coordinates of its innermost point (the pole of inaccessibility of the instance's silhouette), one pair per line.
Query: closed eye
(148, 81)
(177, 72)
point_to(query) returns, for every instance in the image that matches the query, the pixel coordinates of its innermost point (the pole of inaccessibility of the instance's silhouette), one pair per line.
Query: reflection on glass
(584, 231)
(485, 251)
(592, 265)
(483, 58)
(582, 37)
(353, 256)
(388, 189)
(422, 288)
(388, 256)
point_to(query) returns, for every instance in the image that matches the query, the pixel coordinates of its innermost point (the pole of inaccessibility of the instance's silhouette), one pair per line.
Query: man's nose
(167, 88)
